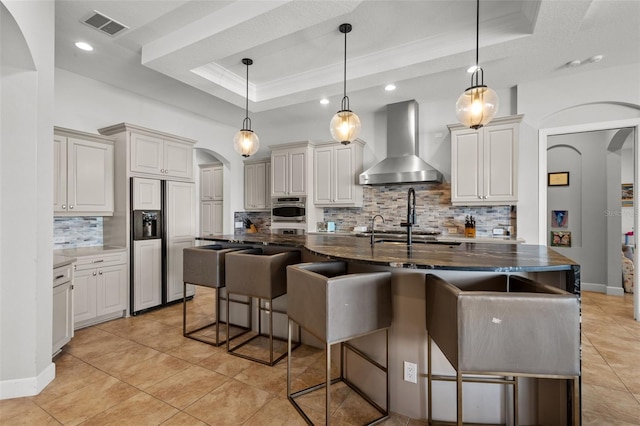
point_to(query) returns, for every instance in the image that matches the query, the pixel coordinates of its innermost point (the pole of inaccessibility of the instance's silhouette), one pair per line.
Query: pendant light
(345, 125)
(246, 142)
(478, 104)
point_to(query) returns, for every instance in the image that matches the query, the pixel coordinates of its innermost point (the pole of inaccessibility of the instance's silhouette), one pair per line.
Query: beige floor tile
(193, 351)
(24, 411)
(90, 343)
(187, 386)
(272, 380)
(277, 411)
(225, 363)
(355, 410)
(183, 419)
(601, 375)
(141, 409)
(230, 404)
(118, 362)
(71, 374)
(78, 406)
(153, 370)
(618, 405)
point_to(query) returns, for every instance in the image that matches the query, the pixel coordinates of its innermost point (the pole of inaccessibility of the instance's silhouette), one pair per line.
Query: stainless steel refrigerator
(163, 223)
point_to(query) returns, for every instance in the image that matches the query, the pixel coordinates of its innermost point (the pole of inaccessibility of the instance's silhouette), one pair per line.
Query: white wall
(26, 196)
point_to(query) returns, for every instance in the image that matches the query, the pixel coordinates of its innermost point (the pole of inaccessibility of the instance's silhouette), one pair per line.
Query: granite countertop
(475, 256)
(87, 251)
(60, 260)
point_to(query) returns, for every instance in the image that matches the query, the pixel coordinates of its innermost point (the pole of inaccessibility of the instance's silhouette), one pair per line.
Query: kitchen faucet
(411, 214)
(373, 228)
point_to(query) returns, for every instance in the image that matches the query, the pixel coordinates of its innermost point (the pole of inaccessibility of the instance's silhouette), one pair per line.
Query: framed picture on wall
(558, 179)
(560, 239)
(627, 195)
(559, 218)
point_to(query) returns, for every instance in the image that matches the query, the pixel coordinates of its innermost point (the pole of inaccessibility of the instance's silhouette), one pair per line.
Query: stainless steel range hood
(402, 164)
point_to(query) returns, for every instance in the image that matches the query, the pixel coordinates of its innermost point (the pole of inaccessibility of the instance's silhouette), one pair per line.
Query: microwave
(288, 209)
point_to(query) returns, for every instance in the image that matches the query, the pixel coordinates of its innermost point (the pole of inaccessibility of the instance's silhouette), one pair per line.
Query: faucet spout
(373, 229)
(411, 214)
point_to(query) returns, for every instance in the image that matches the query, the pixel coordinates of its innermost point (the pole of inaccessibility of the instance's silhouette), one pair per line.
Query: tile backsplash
(72, 232)
(433, 210)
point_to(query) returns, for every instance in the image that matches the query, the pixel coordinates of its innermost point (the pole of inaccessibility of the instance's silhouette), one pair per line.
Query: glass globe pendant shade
(477, 106)
(345, 126)
(246, 142)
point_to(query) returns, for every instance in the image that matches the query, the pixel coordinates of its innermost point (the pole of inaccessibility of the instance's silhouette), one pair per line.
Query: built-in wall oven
(288, 209)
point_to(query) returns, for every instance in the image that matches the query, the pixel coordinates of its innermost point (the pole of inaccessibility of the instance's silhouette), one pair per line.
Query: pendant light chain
(345, 29)
(246, 124)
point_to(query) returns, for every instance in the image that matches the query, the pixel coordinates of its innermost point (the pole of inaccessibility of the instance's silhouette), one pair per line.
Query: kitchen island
(540, 401)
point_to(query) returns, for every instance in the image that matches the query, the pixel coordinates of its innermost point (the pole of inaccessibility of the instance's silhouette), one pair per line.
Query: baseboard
(29, 386)
(615, 291)
(597, 288)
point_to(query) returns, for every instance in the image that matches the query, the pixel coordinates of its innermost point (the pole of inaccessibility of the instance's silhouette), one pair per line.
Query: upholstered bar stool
(335, 307)
(526, 330)
(205, 266)
(259, 273)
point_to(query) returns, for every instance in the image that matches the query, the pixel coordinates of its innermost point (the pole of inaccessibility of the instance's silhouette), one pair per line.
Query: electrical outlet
(410, 372)
(238, 225)
(452, 230)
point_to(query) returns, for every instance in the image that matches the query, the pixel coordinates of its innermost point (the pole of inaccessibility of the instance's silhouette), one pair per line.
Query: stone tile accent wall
(262, 220)
(433, 210)
(72, 232)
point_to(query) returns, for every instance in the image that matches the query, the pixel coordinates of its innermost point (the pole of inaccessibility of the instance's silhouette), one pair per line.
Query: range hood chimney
(402, 164)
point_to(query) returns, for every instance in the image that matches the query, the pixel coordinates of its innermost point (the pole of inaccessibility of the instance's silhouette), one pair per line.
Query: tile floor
(141, 370)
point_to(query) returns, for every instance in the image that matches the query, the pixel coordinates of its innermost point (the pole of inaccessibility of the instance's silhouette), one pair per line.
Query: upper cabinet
(336, 169)
(83, 173)
(290, 169)
(211, 187)
(257, 185)
(484, 163)
(153, 153)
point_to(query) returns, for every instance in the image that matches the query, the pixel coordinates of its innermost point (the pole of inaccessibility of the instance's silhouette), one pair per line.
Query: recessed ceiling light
(390, 87)
(84, 46)
(574, 63)
(324, 101)
(594, 59)
(472, 69)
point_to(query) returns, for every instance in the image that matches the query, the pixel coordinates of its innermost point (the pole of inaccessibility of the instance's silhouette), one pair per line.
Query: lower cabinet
(62, 321)
(100, 289)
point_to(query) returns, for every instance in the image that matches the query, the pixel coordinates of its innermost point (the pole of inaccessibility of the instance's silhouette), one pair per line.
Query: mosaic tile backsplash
(73, 232)
(433, 210)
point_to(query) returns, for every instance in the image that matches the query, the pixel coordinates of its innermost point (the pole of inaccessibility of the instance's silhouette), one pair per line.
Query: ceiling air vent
(104, 24)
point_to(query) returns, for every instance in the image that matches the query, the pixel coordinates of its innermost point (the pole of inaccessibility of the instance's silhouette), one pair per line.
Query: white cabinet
(211, 184)
(257, 185)
(62, 321)
(146, 194)
(484, 163)
(83, 173)
(336, 169)
(100, 288)
(147, 273)
(289, 168)
(211, 218)
(154, 153)
(181, 225)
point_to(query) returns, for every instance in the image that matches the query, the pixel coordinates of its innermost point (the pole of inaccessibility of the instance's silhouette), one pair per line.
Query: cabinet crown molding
(70, 133)
(124, 127)
(496, 121)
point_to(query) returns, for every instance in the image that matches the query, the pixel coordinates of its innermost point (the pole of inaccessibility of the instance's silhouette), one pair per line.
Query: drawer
(110, 259)
(62, 275)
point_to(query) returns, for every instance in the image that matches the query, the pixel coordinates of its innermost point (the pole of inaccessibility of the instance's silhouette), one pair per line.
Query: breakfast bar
(541, 401)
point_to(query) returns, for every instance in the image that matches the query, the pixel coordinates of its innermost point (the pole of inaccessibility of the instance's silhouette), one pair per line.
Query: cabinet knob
(100, 273)
(70, 206)
(94, 274)
(64, 206)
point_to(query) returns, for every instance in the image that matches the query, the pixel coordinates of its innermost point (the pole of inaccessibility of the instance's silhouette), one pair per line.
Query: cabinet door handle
(98, 261)
(59, 276)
